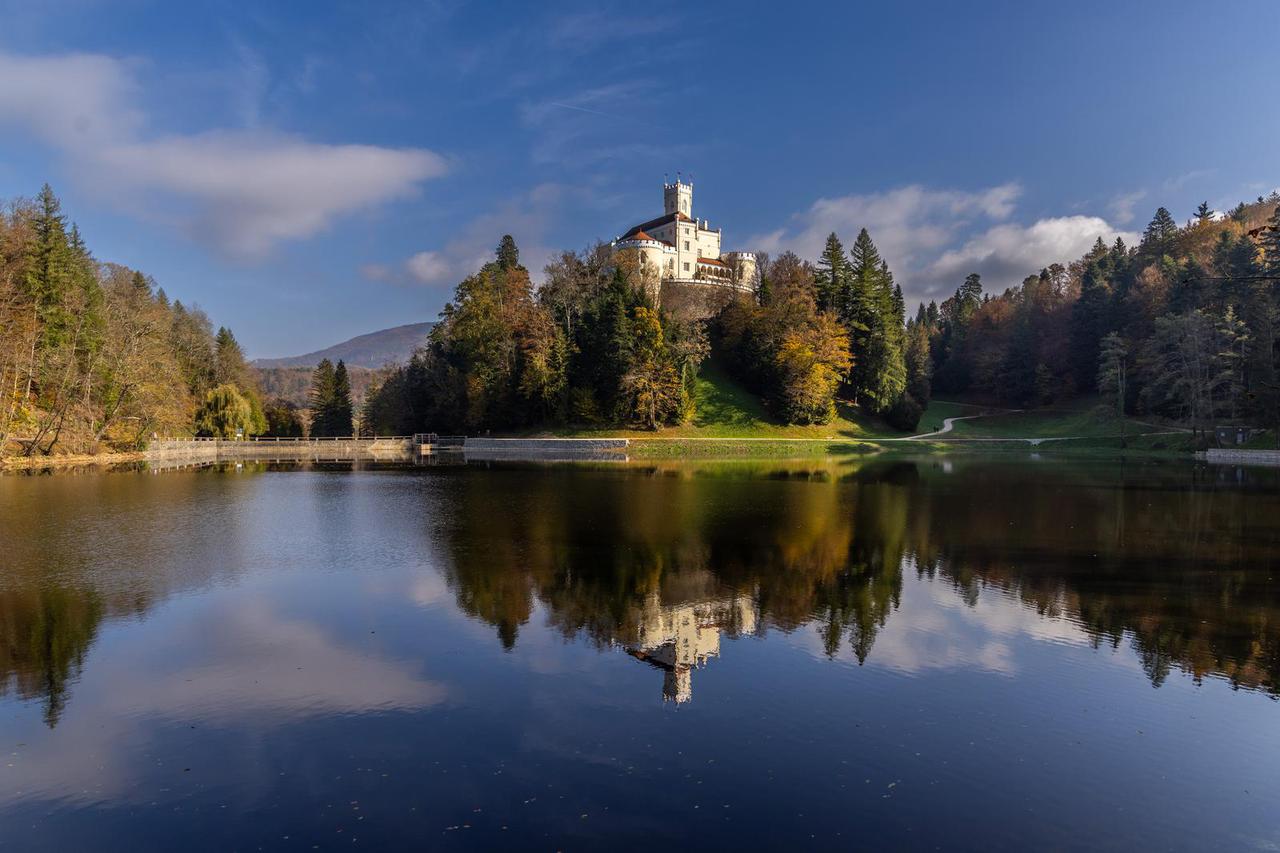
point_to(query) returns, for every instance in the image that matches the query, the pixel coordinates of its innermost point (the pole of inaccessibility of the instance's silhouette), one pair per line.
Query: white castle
(680, 638)
(677, 249)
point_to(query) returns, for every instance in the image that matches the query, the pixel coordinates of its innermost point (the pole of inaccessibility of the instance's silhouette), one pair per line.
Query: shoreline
(71, 460)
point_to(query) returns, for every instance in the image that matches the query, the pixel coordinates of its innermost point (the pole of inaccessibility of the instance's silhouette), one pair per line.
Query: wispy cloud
(526, 218)
(241, 190)
(1121, 207)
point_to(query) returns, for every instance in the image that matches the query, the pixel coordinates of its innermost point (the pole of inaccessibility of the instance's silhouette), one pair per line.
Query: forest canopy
(94, 355)
(1184, 326)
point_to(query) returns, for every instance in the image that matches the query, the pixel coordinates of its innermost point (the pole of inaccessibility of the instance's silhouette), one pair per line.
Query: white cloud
(903, 221)
(933, 238)
(525, 218)
(1005, 254)
(1121, 207)
(243, 191)
(75, 101)
(428, 267)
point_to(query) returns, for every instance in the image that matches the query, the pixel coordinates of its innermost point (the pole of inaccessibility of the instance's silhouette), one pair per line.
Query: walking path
(949, 423)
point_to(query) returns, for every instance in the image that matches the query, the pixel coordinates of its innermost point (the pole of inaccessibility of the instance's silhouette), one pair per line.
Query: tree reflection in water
(664, 561)
(1166, 556)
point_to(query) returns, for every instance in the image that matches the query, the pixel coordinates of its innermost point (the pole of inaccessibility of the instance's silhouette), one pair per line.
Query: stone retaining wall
(1225, 456)
(218, 450)
(171, 452)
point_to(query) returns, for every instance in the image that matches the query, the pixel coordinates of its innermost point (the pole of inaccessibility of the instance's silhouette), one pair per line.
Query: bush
(905, 414)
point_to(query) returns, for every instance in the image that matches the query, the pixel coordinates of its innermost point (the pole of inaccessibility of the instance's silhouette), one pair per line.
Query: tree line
(1184, 325)
(593, 347)
(589, 347)
(94, 355)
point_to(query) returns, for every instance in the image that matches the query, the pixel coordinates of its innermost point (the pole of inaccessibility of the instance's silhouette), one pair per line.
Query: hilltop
(372, 350)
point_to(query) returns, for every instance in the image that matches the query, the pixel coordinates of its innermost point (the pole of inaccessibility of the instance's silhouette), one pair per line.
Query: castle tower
(678, 198)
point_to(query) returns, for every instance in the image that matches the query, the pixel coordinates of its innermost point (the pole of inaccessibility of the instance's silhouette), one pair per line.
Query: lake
(972, 652)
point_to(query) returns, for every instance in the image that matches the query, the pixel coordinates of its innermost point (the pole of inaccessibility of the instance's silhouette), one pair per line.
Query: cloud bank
(932, 238)
(240, 191)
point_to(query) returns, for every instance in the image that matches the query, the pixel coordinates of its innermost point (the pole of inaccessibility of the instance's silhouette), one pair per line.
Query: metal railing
(434, 440)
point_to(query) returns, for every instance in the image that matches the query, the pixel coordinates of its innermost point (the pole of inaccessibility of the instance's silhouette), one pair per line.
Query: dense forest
(1184, 326)
(588, 347)
(95, 356)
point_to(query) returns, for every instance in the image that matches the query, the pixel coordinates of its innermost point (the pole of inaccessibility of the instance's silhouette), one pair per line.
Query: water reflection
(664, 562)
(1165, 559)
(680, 638)
(892, 651)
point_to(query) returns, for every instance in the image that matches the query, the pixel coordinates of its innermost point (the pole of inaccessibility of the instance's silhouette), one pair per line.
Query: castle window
(686, 266)
(686, 245)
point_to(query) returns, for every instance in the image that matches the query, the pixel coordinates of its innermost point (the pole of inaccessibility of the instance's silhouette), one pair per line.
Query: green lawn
(730, 421)
(724, 409)
(1090, 422)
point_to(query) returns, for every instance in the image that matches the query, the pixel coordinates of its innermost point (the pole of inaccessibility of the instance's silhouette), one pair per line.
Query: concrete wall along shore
(1229, 456)
(191, 451)
(546, 449)
(181, 452)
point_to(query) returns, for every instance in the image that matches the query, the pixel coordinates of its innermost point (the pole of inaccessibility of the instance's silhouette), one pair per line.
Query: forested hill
(374, 350)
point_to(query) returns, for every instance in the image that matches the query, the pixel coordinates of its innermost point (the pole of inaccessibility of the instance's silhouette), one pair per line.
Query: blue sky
(310, 174)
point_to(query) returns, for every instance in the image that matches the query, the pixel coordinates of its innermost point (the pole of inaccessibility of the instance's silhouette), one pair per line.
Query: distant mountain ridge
(372, 350)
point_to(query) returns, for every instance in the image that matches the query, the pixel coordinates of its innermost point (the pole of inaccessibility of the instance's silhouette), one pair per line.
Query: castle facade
(677, 252)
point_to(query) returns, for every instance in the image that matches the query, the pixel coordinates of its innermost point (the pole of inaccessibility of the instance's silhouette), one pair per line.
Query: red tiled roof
(713, 262)
(640, 235)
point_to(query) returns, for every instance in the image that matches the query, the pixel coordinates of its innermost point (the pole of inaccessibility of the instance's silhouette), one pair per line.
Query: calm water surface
(965, 654)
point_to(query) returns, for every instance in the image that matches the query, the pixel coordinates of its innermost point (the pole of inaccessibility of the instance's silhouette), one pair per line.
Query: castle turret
(677, 198)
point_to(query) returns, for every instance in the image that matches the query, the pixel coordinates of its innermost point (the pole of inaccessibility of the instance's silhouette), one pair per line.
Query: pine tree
(874, 316)
(508, 256)
(858, 310)
(1113, 372)
(1089, 324)
(341, 415)
(1158, 238)
(321, 399)
(831, 278)
(919, 364)
(229, 365)
(1204, 213)
(1270, 240)
(49, 269)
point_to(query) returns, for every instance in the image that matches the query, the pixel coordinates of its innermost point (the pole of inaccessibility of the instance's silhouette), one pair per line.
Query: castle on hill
(678, 252)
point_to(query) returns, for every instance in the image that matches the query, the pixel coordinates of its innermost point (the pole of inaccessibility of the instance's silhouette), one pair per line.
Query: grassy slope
(731, 421)
(723, 409)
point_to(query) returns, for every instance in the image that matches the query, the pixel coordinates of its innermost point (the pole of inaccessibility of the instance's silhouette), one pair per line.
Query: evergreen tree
(49, 269)
(340, 417)
(508, 256)
(1204, 213)
(1158, 238)
(322, 397)
(1269, 237)
(1090, 317)
(229, 365)
(919, 363)
(831, 277)
(859, 313)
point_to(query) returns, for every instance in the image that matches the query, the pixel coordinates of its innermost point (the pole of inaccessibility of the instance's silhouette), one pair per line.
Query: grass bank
(723, 409)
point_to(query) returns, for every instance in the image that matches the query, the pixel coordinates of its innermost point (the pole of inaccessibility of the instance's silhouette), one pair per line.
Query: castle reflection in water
(683, 637)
